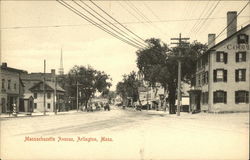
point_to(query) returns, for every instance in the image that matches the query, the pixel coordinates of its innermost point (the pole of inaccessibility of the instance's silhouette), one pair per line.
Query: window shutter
(247, 39)
(214, 97)
(215, 75)
(225, 57)
(243, 75)
(244, 56)
(237, 57)
(225, 97)
(247, 97)
(217, 56)
(237, 75)
(236, 97)
(225, 75)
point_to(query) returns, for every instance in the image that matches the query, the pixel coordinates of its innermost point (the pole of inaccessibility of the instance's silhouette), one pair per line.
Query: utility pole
(181, 41)
(77, 107)
(55, 104)
(44, 97)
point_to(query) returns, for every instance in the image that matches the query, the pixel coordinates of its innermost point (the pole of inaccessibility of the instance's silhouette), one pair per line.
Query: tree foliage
(128, 87)
(159, 64)
(89, 82)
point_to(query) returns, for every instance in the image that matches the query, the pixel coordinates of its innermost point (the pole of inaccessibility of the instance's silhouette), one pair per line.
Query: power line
(94, 23)
(210, 13)
(131, 5)
(87, 24)
(106, 23)
(197, 22)
(230, 22)
(117, 21)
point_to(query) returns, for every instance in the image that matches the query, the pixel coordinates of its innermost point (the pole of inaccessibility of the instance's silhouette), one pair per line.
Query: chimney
(231, 22)
(4, 65)
(53, 71)
(211, 40)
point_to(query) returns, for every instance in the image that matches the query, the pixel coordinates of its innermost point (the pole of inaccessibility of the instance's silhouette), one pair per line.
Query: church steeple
(61, 70)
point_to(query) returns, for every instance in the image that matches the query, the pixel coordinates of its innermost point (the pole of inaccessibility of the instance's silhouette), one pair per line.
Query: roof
(221, 42)
(50, 84)
(12, 69)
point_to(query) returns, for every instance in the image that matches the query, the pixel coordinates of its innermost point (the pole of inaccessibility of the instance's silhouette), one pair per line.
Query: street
(126, 134)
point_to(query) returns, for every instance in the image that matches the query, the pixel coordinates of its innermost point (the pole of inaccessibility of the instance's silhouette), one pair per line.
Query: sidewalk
(27, 114)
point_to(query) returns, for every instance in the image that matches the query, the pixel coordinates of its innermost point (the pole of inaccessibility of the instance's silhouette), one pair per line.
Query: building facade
(54, 94)
(48, 99)
(12, 89)
(222, 74)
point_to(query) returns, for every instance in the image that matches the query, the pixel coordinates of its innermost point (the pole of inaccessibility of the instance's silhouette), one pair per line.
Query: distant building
(12, 89)
(52, 94)
(33, 83)
(222, 74)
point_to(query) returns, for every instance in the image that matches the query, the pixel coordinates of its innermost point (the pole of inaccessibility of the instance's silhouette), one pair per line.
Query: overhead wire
(79, 25)
(94, 23)
(117, 21)
(99, 19)
(230, 22)
(209, 14)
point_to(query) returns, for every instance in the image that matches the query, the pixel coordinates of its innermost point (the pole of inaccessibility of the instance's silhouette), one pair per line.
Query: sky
(34, 31)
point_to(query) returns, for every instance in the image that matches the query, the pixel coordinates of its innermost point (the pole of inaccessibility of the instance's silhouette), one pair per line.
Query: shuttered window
(243, 39)
(241, 96)
(221, 56)
(240, 57)
(220, 96)
(240, 75)
(220, 75)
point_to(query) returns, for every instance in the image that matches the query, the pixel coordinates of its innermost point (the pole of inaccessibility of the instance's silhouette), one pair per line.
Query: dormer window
(243, 39)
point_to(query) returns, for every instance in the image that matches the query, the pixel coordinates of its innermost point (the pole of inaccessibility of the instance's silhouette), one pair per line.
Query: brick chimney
(231, 18)
(53, 71)
(211, 40)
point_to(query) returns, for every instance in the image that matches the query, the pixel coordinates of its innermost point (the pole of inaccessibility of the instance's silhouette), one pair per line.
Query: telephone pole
(180, 42)
(44, 97)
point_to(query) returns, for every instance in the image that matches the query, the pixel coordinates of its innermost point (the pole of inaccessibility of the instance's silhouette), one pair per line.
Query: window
(48, 95)
(205, 98)
(15, 86)
(199, 80)
(243, 39)
(9, 84)
(220, 96)
(221, 57)
(35, 106)
(240, 75)
(240, 57)
(220, 75)
(48, 105)
(206, 77)
(35, 95)
(3, 83)
(241, 96)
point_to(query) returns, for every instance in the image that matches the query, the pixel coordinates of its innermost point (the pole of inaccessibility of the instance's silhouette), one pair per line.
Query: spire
(61, 72)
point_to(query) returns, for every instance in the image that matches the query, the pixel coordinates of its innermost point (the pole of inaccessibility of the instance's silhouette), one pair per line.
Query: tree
(128, 87)
(159, 64)
(89, 82)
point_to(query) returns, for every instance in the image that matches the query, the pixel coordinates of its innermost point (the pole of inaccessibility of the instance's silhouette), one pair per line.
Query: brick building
(222, 74)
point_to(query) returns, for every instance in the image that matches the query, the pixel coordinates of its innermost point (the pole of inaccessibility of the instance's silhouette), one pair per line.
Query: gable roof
(51, 85)
(223, 41)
